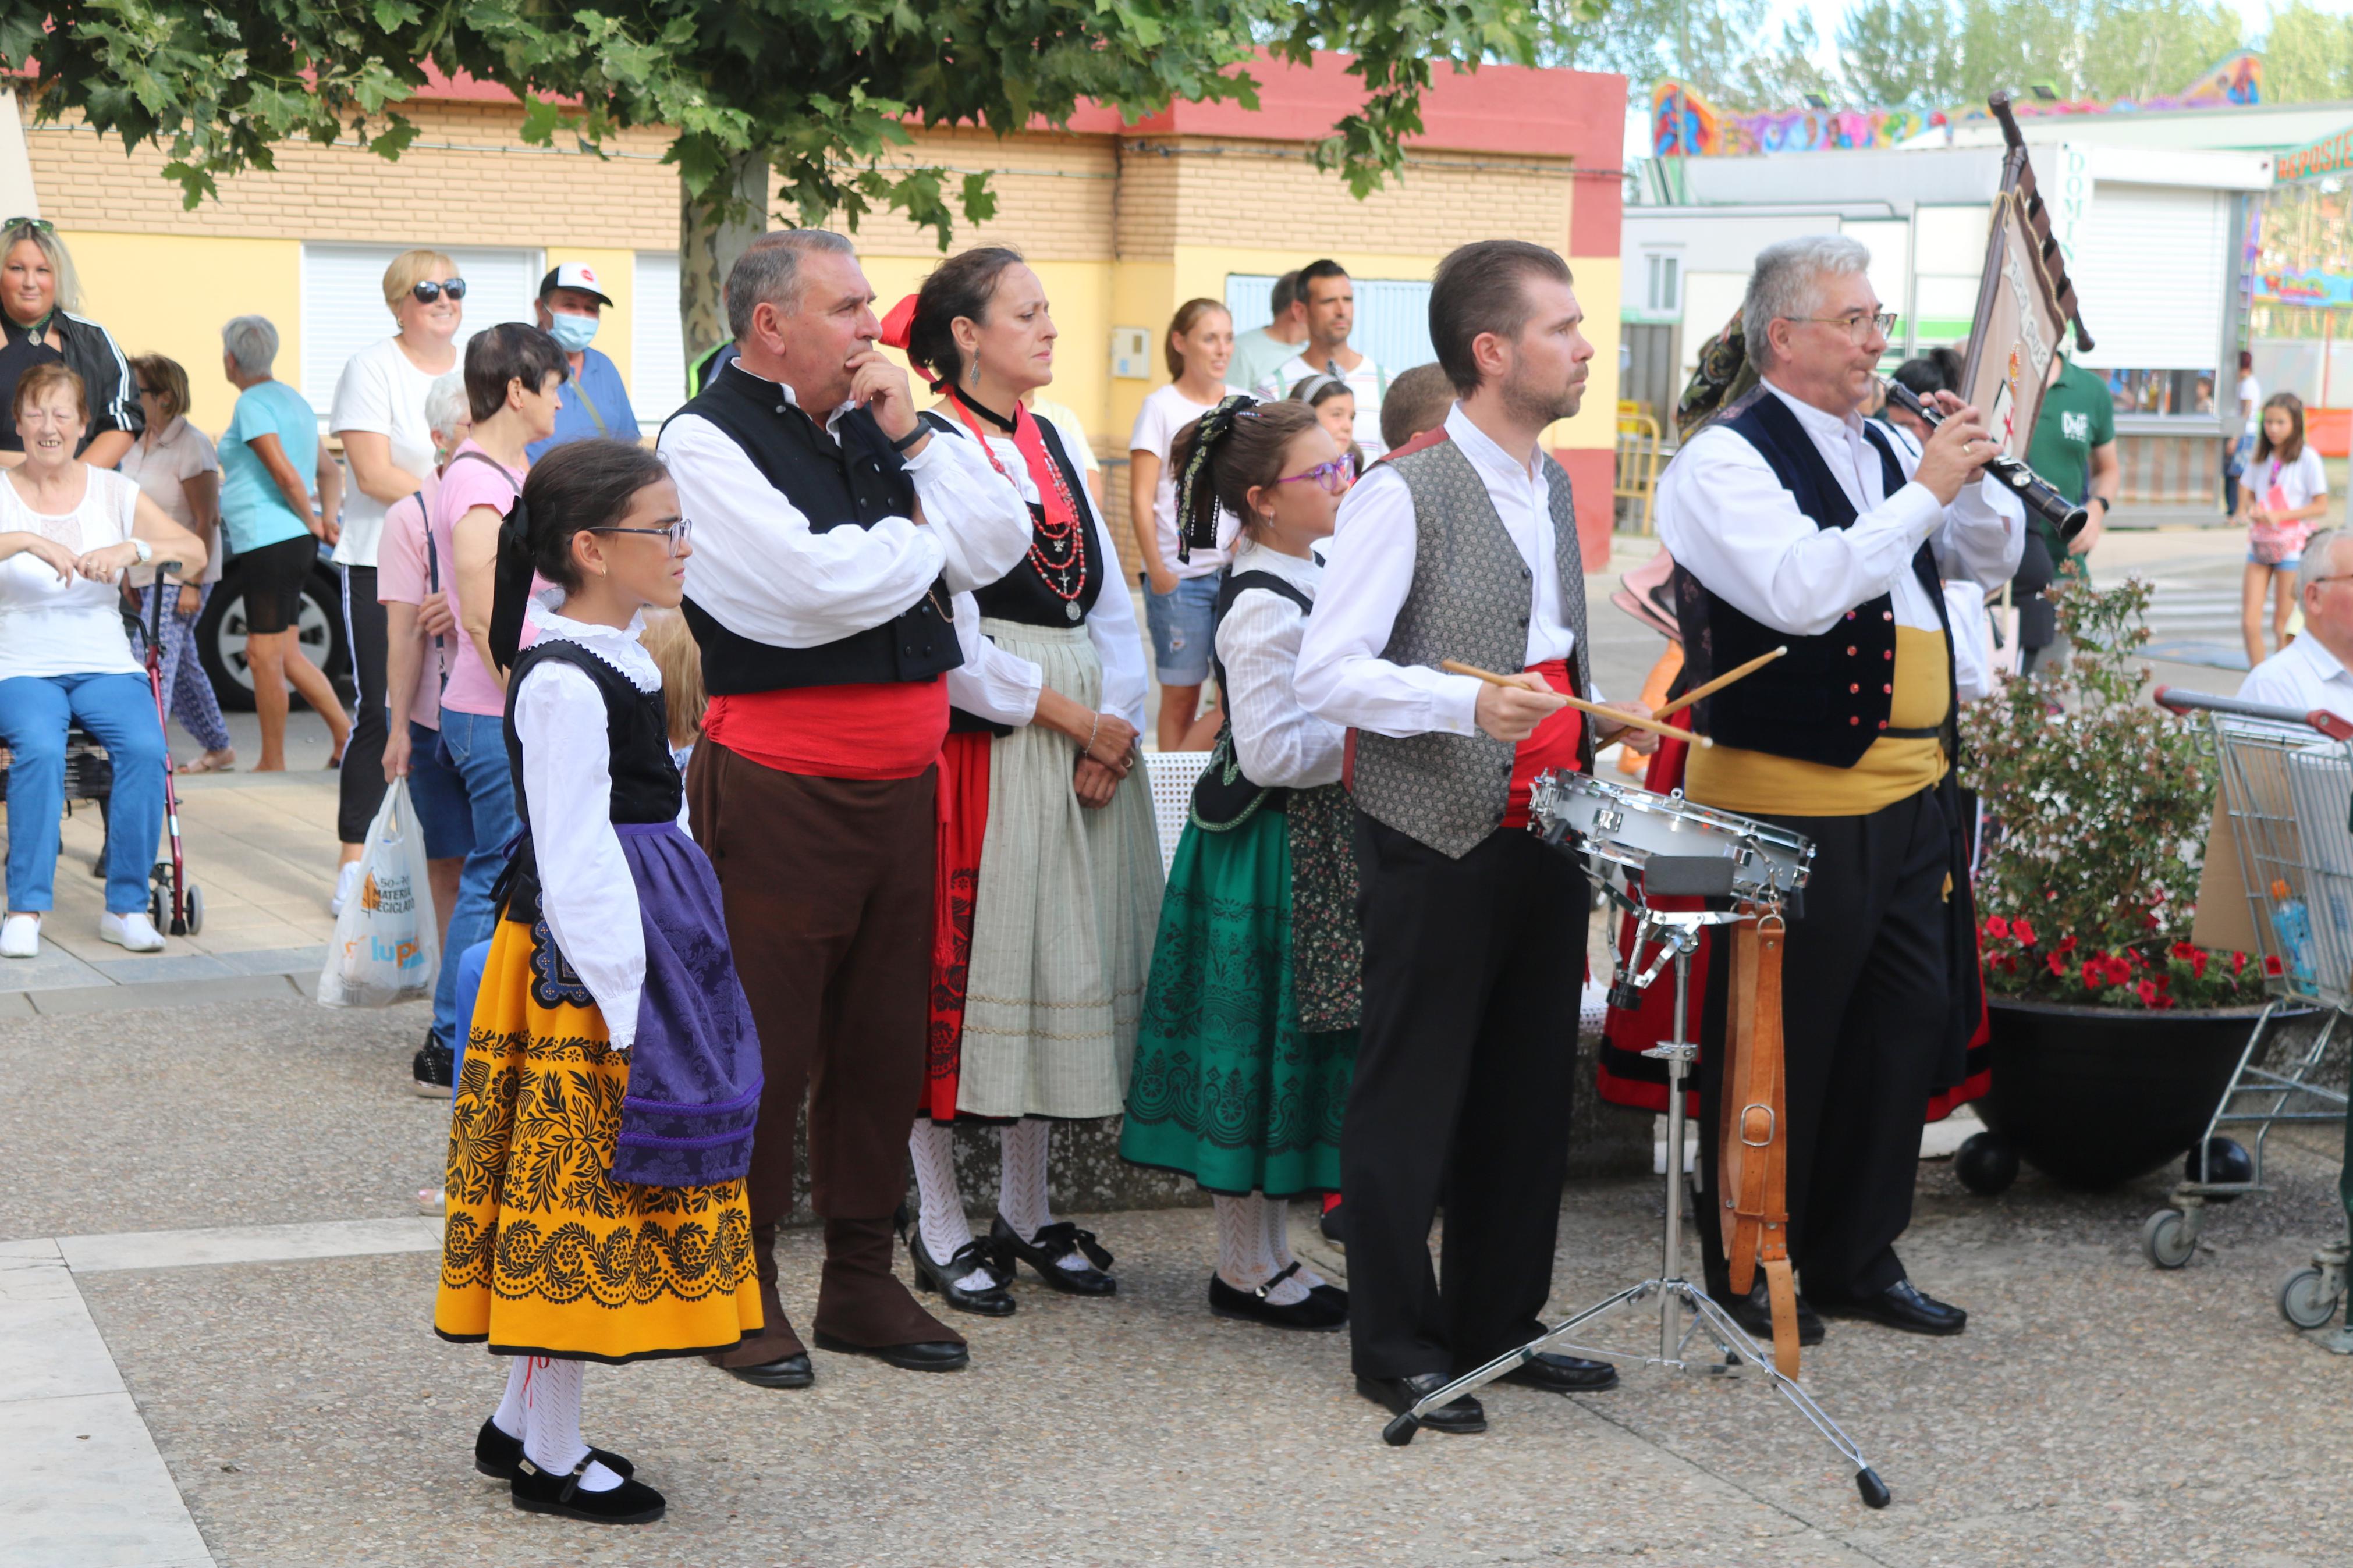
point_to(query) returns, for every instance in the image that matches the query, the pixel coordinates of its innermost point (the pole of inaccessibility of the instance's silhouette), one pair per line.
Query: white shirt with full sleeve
(760, 570)
(1727, 520)
(586, 891)
(1003, 687)
(1278, 742)
(1368, 570)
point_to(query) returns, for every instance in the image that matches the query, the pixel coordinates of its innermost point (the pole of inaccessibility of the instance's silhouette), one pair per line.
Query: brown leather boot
(863, 1309)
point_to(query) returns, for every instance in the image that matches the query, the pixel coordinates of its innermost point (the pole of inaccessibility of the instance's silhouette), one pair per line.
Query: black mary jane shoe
(1400, 1394)
(1332, 1296)
(925, 1355)
(786, 1372)
(1311, 1313)
(1753, 1313)
(1054, 1243)
(540, 1491)
(977, 1256)
(1902, 1306)
(500, 1457)
(1563, 1374)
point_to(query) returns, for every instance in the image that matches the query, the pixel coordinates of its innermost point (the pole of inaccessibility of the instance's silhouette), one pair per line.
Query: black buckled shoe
(1311, 1314)
(1563, 1374)
(786, 1372)
(1400, 1394)
(1045, 1253)
(1902, 1306)
(925, 1355)
(500, 1457)
(432, 1068)
(1753, 1313)
(975, 1257)
(632, 1503)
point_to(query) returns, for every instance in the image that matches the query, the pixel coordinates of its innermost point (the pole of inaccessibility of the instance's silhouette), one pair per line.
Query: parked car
(220, 633)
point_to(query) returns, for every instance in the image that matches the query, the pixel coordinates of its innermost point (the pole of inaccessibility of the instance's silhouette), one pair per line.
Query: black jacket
(90, 353)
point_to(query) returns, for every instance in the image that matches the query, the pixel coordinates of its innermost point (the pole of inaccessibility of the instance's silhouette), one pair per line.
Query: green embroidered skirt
(1226, 1087)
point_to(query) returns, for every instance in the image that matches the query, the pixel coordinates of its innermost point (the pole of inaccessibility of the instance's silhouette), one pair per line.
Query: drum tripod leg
(1735, 1341)
(1401, 1431)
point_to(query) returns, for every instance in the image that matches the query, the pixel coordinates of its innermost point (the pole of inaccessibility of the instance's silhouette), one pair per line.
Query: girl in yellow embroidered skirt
(603, 1119)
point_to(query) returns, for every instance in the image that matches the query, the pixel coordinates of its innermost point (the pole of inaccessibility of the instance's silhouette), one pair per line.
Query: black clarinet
(2040, 498)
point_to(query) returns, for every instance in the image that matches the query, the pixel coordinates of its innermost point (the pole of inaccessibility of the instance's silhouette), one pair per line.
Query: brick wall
(1055, 197)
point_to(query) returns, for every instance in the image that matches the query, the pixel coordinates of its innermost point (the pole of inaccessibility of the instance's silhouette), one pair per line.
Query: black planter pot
(2096, 1096)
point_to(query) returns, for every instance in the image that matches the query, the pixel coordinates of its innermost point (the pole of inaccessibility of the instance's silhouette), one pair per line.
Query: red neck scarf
(1053, 491)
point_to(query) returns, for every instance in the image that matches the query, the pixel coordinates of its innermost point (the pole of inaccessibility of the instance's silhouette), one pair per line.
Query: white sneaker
(20, 936)
(347, 882)
(133, 932)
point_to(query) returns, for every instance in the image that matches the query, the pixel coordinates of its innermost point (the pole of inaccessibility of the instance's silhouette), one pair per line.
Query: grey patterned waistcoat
(1471, 599)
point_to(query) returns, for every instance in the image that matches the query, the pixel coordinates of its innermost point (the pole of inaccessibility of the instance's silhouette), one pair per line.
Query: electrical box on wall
(1130, 354)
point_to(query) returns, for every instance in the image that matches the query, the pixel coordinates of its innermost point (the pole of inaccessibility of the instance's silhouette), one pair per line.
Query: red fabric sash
(878, 730)
(1053, 492)
(1552, 748)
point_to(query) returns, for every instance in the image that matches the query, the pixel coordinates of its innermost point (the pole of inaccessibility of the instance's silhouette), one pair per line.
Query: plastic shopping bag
(386, 947)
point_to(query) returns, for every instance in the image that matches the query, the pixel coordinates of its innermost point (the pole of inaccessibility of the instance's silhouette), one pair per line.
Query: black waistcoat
(646, 785)
(855, 481)
(1829, 700)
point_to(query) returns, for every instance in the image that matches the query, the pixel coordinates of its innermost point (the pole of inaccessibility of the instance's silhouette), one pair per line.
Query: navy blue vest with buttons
(1829, 700)
(852, 481)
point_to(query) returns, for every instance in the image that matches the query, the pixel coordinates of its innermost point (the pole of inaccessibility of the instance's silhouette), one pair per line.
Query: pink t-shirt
(467, 483)
(401, 579)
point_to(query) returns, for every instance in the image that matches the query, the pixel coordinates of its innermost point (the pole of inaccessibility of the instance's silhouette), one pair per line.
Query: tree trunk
(713, 231)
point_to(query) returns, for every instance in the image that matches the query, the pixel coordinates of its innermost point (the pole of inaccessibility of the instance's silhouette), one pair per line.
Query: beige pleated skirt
(1063, 917)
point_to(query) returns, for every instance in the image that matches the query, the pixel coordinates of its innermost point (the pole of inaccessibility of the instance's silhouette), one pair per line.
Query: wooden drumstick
(1455, 666)
(1711, 688)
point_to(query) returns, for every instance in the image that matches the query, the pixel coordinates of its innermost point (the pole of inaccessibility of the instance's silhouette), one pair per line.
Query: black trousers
(1462, 1096)
(364, 631)
(1863, 1017)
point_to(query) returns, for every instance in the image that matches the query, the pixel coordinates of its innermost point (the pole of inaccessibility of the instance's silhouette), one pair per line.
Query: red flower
(2197, 963)
(2010, 966)
(2058, 964)
(2023, 931)
(2118, 972)
(2066, 946)
(2272, 965)
(1996, 927)
(2091, 973)
(2147, 991)
(2183, 950)
(2163, 1003)
(2237, 961)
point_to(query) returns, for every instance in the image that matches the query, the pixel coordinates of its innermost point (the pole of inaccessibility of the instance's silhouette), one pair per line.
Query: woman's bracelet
(1092, 730)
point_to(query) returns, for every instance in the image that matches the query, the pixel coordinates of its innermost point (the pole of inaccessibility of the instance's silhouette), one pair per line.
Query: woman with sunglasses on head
(1249, 1038)
(1049, 884)
(39, 293)
(378, 415)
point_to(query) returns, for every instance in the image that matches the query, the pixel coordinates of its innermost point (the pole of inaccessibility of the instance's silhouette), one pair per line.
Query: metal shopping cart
(2287, 790)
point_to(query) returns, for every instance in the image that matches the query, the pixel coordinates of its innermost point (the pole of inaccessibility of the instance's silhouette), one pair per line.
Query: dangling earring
(972, 374)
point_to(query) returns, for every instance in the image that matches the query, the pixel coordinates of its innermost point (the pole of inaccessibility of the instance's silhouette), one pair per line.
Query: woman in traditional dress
(1049, 873)
(603, 1122)
(1250, 1024)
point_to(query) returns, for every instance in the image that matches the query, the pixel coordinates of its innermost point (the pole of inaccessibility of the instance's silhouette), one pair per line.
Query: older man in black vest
(1794, 521)
(829, 532)
(1463, 546)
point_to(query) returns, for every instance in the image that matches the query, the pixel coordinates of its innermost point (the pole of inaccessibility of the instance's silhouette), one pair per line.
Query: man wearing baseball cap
(595, 401)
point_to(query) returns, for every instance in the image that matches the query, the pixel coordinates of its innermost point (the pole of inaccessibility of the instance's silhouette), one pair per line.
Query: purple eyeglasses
(1335, 476)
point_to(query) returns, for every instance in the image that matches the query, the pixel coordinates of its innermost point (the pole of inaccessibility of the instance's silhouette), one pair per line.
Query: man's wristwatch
(141, 549)
(2106, 506)
(912, 436)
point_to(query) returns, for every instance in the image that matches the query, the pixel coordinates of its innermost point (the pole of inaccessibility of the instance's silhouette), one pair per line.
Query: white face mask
(571, 332)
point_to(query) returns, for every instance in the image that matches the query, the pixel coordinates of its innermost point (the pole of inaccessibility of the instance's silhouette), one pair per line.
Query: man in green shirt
(2075, 449)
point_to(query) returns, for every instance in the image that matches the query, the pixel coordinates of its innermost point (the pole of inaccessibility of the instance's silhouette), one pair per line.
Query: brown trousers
(827, 889)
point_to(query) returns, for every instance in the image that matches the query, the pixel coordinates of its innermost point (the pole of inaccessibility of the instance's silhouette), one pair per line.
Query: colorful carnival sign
(2329, 155)
(2305, 286)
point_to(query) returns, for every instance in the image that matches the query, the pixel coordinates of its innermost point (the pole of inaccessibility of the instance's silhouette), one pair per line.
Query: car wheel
(318, 627)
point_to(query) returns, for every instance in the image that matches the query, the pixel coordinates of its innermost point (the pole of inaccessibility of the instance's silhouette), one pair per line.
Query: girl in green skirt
(1249, 1033)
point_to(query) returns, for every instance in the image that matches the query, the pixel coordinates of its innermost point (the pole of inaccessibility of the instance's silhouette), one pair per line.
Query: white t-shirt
(179, 453)
(2301, 481)
(380, 391)
(52, 626)
(2251, 398)
(1164, 412)
(1365, 381)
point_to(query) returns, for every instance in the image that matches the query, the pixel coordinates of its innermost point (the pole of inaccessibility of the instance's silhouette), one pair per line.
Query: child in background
(2282, 493)
(680, 660)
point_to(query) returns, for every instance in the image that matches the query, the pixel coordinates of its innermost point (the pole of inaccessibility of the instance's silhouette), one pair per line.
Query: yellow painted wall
(172, 295)
(1595, 424)
(618, 271)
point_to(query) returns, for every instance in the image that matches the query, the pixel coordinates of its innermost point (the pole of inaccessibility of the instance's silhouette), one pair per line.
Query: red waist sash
(881, 730)
(1553, 747)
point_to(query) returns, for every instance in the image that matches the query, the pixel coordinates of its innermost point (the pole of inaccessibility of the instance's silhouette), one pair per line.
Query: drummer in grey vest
(1463, 546)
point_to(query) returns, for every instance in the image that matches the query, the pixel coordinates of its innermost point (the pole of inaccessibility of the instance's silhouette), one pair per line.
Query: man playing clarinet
(1463, 546)
(1793, 521)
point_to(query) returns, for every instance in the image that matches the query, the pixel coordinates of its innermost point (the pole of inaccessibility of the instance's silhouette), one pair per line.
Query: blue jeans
(119, 711)
(1184, 625)
(475, 745)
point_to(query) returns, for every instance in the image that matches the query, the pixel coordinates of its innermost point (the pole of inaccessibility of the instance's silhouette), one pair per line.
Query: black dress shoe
(925, 1355)
(500, 1457)
(1334, 1226)
(1901, 1306)
(1400, 1394)
(1311, 1313)
(1052, 1244)
(1753, 1313)
(790, 1372)
(1563, 1374)
(991, 1301)
(632, 1503)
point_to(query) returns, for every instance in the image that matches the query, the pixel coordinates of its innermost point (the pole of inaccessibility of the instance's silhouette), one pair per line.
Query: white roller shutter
(2151, 276)
(344, 310)
(656, 352)
(1392, 316)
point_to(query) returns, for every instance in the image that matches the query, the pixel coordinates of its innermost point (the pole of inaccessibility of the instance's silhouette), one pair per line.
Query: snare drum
(1625, 826)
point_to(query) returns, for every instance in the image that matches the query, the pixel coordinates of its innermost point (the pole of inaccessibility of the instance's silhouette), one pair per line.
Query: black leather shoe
(1331, 1296)
(1753, 1313)
(925, 1355)
(1400, 1394)
(1334, 1226)
(790, 1372)
(431, 1068)
(500, 1457)
(632, 1503)
(991, 1301)
(1901, 1306)
(1563, 1374)
(1312, 1313)
(1052, 1244)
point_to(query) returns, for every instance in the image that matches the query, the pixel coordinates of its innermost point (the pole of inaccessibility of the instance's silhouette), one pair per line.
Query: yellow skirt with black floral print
(543, 1252)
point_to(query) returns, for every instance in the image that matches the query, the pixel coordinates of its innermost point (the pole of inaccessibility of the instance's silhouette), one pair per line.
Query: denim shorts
(438, 793)
(1183, 622)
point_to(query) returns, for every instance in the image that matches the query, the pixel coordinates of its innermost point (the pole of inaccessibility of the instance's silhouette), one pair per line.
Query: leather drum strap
(1753, 1171)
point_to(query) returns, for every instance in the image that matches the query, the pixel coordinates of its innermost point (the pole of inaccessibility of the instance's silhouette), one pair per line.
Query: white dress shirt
(586, 891)
(762, 572)
(2304, 676)
(1278, 742)
(1003, 688)
(1724, 518)
(1368, 571)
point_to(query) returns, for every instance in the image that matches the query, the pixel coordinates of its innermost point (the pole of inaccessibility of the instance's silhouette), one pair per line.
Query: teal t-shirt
(2077, 415)
(253, 511)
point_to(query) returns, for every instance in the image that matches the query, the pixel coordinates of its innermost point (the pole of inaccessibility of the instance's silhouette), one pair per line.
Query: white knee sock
(1277, 1214)
(508, 1417)
(551, 1438)
(1021, 1181)
(1244, 1260)
(940, 1215)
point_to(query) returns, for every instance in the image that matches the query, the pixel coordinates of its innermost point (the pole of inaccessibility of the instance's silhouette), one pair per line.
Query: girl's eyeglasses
(674, 536)
(1335, 476)
(429, 290)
